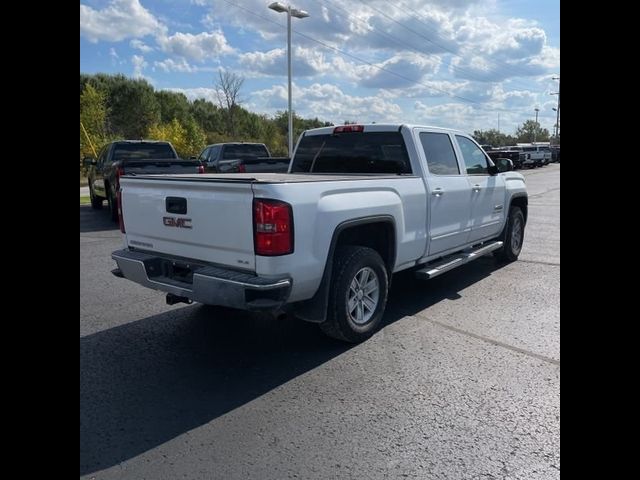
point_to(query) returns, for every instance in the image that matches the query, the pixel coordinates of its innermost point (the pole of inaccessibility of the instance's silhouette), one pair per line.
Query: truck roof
(381, 127)
(236, 143)
(140, 141)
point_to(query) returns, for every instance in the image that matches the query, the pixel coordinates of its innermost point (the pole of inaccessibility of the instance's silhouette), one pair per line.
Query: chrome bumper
(202, 283)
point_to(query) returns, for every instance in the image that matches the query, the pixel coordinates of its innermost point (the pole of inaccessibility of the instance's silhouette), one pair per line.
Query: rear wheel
(358, 294)
(113, 206)
(513, 236)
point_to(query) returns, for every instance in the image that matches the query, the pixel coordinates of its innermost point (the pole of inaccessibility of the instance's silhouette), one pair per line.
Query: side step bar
(455, 260)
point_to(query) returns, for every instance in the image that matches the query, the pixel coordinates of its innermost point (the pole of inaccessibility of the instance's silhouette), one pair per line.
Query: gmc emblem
(177, 222)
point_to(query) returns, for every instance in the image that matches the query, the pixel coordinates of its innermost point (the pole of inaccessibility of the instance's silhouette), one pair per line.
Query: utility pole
(535, 131)
(557, 109)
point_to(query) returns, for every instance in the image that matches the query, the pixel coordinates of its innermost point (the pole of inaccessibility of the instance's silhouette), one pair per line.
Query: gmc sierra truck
(131, 157)
(359, 203)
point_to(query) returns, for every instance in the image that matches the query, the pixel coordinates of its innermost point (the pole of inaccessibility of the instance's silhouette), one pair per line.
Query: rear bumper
(202, 283)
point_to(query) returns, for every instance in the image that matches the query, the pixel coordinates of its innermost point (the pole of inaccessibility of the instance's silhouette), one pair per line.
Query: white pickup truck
(359, 203)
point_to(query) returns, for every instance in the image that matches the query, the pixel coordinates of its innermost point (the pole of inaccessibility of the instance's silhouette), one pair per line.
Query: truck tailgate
(207, 221)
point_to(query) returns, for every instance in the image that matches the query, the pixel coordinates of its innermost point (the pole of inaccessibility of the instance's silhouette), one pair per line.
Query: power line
(514, 68)
(378, 67)
(467, 73)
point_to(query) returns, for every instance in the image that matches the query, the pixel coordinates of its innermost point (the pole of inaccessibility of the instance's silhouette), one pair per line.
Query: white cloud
(327, 102)
(410, 67)
(305, 62)
(171, 65)
(121, 19)
(196, 47)
(139, 64)
(113, 54)
(492, 52)
(140, 45)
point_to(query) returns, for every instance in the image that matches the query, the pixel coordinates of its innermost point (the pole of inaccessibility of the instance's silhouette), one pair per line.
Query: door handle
(477, 188)
(437, 192)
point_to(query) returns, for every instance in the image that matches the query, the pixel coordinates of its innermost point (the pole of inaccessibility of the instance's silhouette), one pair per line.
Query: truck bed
(269, 177)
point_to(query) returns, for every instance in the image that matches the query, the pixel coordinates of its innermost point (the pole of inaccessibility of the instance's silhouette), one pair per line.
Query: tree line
(529, 131)
(114, 107)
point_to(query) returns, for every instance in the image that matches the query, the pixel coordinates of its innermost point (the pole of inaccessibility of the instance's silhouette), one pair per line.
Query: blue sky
(456, 63)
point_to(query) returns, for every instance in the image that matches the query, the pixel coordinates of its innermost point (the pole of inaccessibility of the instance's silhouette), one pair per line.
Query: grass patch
(85, 200)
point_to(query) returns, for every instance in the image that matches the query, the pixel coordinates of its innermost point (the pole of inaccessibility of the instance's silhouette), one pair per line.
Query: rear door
(449, 193)
(487, 191)
(210, 220)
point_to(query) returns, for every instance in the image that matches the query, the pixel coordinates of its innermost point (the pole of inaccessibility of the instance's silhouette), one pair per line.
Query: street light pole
(291, 12)
(535, 131)
(289, 74)
(557, 109)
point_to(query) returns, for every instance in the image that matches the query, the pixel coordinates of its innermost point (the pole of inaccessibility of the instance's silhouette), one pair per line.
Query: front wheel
(358, 294)
(513, 236)
(96, 201)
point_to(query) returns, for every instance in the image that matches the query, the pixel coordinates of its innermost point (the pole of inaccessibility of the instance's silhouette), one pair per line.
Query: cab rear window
(352, 152)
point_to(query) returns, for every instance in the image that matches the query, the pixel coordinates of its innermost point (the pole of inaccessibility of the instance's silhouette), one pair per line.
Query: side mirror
(503, 165)
(88, 161)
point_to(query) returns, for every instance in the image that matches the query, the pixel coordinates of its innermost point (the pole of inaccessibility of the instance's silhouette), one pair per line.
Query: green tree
(93, 116)
(188, 139)
(195, 138)
(208, 115)
(170, 132)
(133, 108)
(531, 131)
(173, 105)
(493, 137)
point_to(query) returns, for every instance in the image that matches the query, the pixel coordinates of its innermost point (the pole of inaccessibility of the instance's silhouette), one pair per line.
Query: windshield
(141, 151)
(373, 152)
(244, 151)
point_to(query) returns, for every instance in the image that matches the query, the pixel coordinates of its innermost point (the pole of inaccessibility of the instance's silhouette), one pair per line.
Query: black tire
(113, 206)
(349, 262)
(512, 246)
(96, 201)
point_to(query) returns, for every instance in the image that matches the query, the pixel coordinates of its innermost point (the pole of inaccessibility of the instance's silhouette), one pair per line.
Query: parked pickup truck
(131, 157)
(242, 157)
(516, 156)
(534, 155)
(359, 203)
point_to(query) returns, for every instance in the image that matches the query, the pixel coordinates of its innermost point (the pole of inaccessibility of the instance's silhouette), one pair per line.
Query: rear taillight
(348, 128)
(273, 227)
(119, 173)
(119, 206)
(200, 168)
(242, 168)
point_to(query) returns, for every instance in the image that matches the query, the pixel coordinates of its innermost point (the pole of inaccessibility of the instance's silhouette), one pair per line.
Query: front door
(487, 192)
(448, 196)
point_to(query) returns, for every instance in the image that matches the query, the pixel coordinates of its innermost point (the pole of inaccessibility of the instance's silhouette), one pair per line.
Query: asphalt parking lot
(461, 383)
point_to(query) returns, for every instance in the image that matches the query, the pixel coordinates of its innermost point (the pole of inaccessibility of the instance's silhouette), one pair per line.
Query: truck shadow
(147, 382)
(409, 296)
(95, 220)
